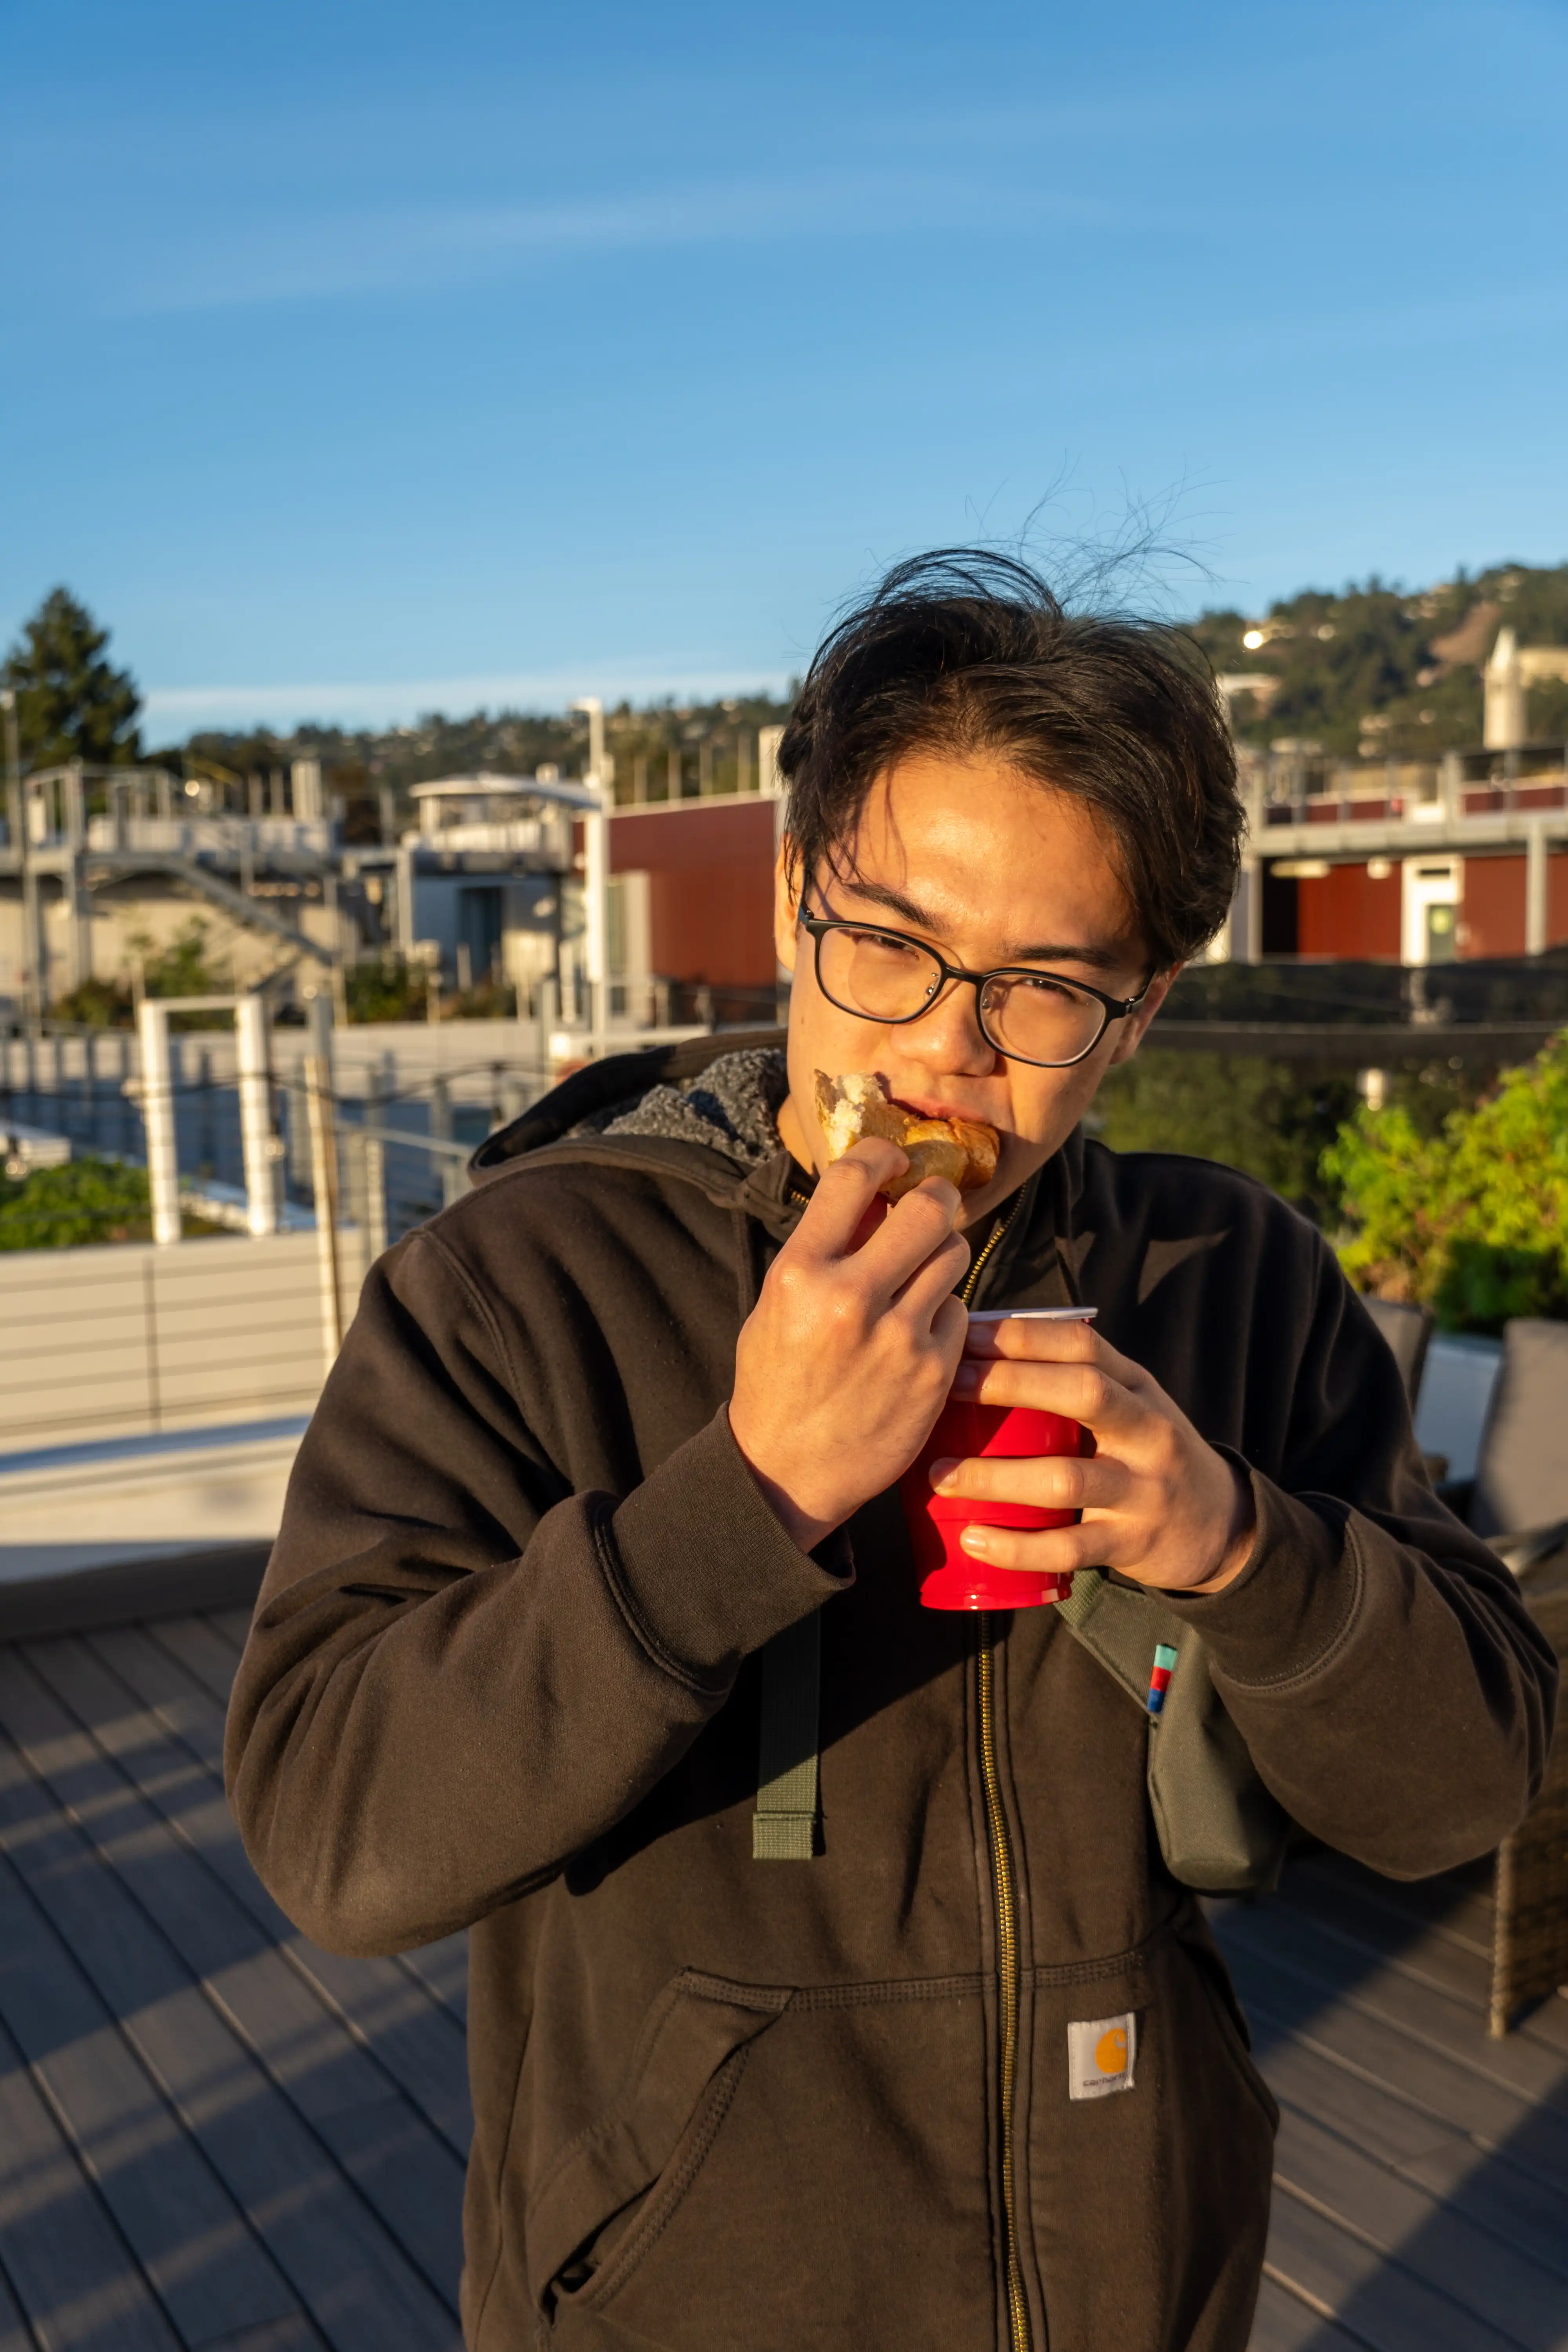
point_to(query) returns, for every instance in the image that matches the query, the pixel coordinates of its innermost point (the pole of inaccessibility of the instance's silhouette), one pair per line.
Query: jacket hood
(586, 1103)
(645, 1107)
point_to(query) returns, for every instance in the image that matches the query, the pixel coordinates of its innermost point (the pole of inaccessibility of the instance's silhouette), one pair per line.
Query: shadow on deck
(1421, 2181)
(214, 2136)
(211, 2133)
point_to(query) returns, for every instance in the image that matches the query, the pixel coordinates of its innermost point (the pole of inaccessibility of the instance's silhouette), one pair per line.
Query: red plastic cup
(952, 1578)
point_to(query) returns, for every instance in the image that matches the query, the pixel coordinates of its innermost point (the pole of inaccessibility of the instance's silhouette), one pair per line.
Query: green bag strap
(1219, 1829)
(783, 1827)
(1119, 1628)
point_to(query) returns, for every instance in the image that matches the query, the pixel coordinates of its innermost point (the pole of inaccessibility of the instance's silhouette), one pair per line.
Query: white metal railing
(502, 837)
(197, 836)
(259, 1144)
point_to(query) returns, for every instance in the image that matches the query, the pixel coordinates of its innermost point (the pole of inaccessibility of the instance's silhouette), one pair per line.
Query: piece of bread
(855, 1105)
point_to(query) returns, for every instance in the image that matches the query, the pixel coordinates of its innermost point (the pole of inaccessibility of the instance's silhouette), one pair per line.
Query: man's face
(989, 867)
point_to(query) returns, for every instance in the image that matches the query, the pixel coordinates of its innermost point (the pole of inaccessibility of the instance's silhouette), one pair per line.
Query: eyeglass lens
(885, 978)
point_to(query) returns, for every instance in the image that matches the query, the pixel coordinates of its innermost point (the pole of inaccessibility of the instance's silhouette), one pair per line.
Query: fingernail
(964, 1379)
(943, 1475)
(975, 1539)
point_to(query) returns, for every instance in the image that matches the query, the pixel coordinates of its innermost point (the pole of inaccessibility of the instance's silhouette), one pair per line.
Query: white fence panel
(129, 1339)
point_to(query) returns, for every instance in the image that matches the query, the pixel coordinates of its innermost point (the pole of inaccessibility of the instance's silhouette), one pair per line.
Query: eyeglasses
(1029, 1016)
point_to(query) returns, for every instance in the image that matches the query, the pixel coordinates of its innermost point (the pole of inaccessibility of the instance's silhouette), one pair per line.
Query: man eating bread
(838, 1976)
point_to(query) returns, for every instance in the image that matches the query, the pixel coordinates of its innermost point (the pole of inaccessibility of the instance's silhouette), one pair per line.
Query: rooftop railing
(1294, 786)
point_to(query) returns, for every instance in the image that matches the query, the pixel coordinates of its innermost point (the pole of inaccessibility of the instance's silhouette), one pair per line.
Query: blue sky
(366, 359)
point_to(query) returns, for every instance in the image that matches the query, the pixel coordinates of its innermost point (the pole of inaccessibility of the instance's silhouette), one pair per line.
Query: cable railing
(177, 1251)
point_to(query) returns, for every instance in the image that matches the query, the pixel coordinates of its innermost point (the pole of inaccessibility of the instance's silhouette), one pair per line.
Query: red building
(1359, 908)
(708, 889)
(1404, 863)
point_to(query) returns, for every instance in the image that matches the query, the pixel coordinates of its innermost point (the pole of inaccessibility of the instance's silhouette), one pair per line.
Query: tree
(1271, 1119)
(1473, 1221)
(1374, 670)
(71, 703)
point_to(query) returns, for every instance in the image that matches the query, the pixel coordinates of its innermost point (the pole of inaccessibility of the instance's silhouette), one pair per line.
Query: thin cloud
(390, 703)
(319, 258)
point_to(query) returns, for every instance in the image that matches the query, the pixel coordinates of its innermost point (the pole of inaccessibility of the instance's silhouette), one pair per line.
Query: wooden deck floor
(1421, 2183)
(213, 2134)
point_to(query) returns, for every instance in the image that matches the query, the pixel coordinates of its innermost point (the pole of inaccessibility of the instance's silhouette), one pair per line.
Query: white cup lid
(1035, 1314)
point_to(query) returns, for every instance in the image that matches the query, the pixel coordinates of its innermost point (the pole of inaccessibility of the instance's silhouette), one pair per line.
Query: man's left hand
(1159, 1504)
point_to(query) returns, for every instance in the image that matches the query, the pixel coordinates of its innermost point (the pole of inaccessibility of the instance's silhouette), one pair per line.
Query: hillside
(358, 766)
(1379, 672)
(1373, 671)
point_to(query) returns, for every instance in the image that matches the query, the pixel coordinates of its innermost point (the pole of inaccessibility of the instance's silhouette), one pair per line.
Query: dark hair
(966, 652)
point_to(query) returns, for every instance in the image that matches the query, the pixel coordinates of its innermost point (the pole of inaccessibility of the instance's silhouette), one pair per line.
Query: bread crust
(964, 1150)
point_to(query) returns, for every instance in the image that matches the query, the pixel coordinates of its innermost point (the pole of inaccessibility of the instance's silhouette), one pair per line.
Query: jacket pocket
(648, 2146)
(828, 2185)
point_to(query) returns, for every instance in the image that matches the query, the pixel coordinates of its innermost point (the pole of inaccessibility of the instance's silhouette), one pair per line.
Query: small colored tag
(1160, 1680)
(1100, 2052)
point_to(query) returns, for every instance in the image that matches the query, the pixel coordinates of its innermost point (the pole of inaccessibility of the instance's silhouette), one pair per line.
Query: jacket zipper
(1004, 1899)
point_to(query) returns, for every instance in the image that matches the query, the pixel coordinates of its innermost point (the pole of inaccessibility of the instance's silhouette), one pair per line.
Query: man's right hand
(845, 1362)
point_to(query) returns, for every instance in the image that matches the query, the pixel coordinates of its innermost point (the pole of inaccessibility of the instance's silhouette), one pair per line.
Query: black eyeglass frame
(1112, 1008)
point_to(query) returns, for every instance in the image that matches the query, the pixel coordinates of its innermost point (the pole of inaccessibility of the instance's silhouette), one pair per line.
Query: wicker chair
(1408, 1330)
(1530, 1919)
(1518, 1500)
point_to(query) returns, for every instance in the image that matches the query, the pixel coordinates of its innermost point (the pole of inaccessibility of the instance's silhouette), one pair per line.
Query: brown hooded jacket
(504, 1674)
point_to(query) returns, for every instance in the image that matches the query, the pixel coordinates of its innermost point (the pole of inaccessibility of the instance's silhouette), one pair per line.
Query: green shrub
(1472, 1221)
(1271, 1119)
(88, 1200)
(180, 969)
(385, 988)
(1274, 1116)
(97, 1004)
(389, 987)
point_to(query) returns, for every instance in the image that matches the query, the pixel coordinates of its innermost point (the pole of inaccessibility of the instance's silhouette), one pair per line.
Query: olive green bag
(1220, 1830)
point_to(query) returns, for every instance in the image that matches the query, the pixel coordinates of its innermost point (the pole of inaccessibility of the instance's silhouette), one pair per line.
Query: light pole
(597, 876)
(17, 809)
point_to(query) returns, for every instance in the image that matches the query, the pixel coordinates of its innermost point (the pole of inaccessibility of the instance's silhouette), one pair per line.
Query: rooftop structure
(94, 861)
(1412, 862)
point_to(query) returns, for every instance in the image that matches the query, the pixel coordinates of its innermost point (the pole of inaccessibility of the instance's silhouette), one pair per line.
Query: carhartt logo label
(1100, 2052)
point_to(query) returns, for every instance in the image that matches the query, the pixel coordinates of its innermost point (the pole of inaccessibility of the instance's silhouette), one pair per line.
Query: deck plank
(325, 2073)
(1458, 1904)
(1521, 2289)
(1283, 2001)
(175, 2216)
(416, 2033)
(70, 2269)
(1518, 2210)
(16, 2335)
(295, 2335)
(1399, 1993)
(1383, 1932)
(233, 1625)
(209, 1661)
(344, 2264)
(1379, 2116)
(1355, 1905)
(442, 1967)
(1381, 2304)
(1285, 2324)
(191, 1709)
